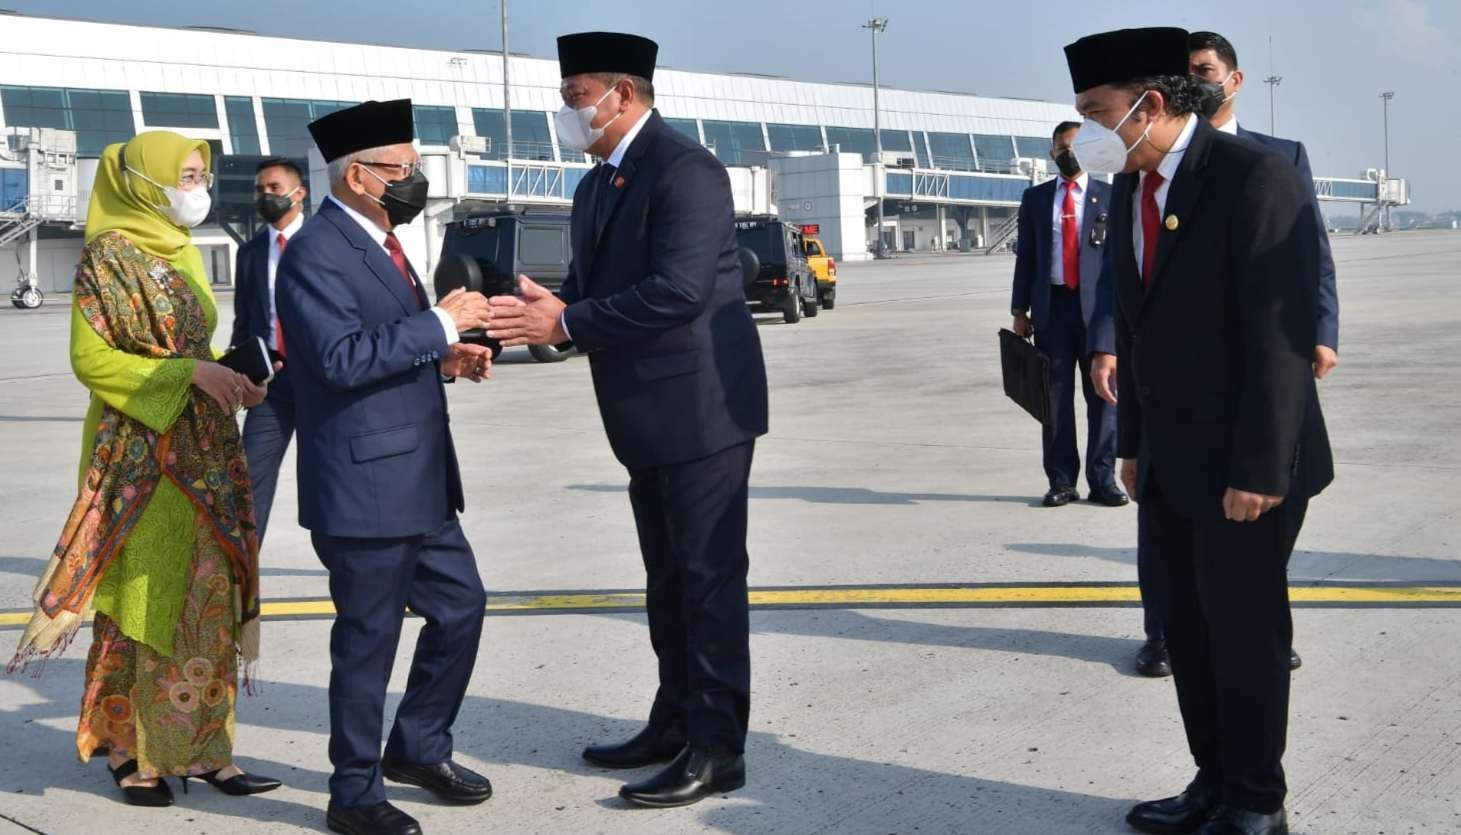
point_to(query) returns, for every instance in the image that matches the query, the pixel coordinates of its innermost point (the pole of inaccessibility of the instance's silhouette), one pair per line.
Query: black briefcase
(1026, 374)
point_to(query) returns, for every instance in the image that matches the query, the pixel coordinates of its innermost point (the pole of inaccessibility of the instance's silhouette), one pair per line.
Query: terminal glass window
(995, 152)
(852, 140)
(530, 137)
(286, 121)
(795, 137)
(1036, 147)
(951, 150)
(179, 110)
(730, 139)
(435, 125)
(920, 150)
(242, 128)
(99, 117)
(685, 126)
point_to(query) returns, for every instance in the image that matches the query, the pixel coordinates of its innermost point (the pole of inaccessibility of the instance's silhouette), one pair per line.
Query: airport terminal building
(953, 168)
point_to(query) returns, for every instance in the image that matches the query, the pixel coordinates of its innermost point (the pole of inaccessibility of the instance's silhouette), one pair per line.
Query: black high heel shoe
(156, 796)
(238, 785)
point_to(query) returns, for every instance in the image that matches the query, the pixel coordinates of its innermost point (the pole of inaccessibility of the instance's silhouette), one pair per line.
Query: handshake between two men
(534, 316)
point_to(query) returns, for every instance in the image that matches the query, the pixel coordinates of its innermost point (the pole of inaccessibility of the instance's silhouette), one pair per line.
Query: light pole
(1272, 81)
(876, 25)
(506, 104)
(1385, 98)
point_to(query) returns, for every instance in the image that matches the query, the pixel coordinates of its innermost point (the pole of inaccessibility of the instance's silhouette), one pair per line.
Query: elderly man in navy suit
(379, 488)
(279, 194)
(654, 298)
(1062, 235)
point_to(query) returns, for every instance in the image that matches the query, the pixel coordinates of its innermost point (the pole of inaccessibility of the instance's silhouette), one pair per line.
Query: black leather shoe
(1061, 496)
(1152, 660)
(156, 795)
(654, 744)
(1295, 661)
(1231, 820)
(1110, 496)
(447, 780)
(238, 785)
(1187, 812)
(380, 819)
(690, 778)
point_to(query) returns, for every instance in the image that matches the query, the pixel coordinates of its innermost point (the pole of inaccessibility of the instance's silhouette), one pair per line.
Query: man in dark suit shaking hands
(1062, 241)
(1215, 277)
(654, 298)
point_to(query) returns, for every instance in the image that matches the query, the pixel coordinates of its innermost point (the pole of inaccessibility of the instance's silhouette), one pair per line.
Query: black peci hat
(372, 124)
(606, 52)
(1126, 55)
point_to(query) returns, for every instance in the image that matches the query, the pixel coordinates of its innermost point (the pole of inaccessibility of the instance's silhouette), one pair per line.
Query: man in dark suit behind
(1215, 278)
(379, 488)
(279, 195)
(1062, 238)
(654, 298)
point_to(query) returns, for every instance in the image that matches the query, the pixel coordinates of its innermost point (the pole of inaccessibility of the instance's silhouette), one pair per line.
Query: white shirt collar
(1173, 160)
(1081, 182)
(288, 231)
(616, 158)
(1230, 126)
(376, 233)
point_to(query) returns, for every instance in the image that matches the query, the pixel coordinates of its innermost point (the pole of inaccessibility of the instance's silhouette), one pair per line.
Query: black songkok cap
(606, 52)
(1126, 55)
(372, 124)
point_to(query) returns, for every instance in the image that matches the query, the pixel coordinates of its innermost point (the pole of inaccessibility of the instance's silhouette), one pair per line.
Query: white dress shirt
(274, 252)
(1057, 252)
(1168, 169)
(377, 234)
(1230, 126)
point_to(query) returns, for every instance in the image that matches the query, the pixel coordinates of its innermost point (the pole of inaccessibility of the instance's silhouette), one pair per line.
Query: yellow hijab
(125, 203)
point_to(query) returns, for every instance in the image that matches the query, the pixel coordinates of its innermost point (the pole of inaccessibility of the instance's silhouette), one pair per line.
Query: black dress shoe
(690, 778)
(1187, 812)
(447, 780)
(380, 819)
(1231, 820)
(654, 744)
(1061, 496)
(156, 795)
(238, 785)
(1110, 496)
(1152, 660)
(1295, 661)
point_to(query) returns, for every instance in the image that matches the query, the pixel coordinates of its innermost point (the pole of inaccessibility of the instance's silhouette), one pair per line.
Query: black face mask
(404, 199)
(1213, 97)
(273, 207)
(1067, 163)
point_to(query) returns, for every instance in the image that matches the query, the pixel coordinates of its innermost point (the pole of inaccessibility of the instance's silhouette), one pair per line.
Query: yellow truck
(823, 265)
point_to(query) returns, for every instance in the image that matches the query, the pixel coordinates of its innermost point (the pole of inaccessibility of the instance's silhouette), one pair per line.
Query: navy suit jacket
(1328, 290)
(654, 298)
(1034, 253)
(251, 289)
(376, 458)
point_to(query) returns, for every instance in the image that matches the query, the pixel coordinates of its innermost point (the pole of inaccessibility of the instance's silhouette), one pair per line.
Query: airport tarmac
(933, 651)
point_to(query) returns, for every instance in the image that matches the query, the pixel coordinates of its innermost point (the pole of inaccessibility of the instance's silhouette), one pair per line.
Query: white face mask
(1100, 149)
(575, 127)
(185, 208)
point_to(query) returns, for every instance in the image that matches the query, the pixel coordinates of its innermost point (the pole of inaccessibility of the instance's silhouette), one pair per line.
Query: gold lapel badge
(1172, 223)
(618, 182)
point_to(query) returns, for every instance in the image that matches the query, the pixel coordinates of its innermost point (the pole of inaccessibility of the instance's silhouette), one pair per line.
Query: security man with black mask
(1214, 277)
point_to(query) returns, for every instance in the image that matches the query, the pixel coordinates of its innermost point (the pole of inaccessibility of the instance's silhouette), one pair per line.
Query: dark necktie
(605, 187)
(1151, 225)
(398, 257)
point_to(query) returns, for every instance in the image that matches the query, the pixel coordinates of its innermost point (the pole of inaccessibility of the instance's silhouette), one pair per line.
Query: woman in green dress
(160, 545)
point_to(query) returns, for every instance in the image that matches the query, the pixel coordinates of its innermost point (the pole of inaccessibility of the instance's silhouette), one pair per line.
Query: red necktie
(1070, 235)
(398, 256)
(278, 331)
(1151, 226)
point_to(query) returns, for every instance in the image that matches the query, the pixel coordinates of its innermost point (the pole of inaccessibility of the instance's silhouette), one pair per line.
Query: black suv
(775, 269)
(488, 250)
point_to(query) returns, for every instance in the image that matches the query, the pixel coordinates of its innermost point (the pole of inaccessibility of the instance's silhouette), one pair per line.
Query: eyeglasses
(189, 180)
(405, 169)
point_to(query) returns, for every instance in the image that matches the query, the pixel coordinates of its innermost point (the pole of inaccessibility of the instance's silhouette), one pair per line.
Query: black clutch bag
(251, 359)
(1026, 374)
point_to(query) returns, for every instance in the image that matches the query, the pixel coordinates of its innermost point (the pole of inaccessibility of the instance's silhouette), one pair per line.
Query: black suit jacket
(251, 289)
(1214, 358)
(1034, 250)
(654, 297)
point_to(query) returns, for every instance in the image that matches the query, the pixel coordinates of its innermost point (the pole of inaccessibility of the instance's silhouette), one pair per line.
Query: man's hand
(468, 310)
(1022, 326)
(468, 361)
(1103, 376)
(1242, 506)
(1325, 361)
(533, 317)
(1129, 468)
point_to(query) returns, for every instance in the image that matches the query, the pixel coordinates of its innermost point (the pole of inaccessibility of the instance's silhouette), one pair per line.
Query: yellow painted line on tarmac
(887, 596)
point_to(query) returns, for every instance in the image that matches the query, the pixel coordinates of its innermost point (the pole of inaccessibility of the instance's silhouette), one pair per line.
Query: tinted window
(685, 126)
(241, 126)
(951, 150)
(99, 117)
(530, 137)
(764, 240)
(852, 140)
(435, 125)
(541, 245)
(813, 250)
(729, 139)
(995, 152)
(795, 137)
(286, 122)
(1033, 146)
(920, 150)
(179, 110)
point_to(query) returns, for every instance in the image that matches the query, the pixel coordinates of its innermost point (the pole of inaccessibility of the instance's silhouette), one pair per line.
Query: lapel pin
(1093, 200)
(1172, 223)
(618, 182)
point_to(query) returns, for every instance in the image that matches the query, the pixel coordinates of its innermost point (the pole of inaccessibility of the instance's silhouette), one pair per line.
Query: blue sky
(1335, 56)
